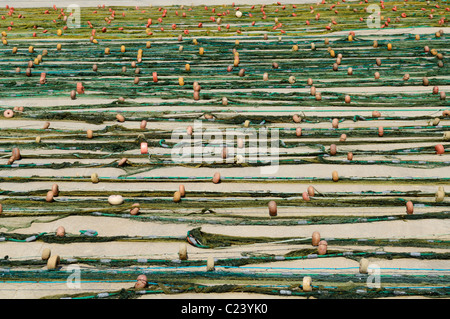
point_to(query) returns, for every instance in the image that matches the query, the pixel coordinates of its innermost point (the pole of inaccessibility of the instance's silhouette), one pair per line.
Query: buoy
(134, 210)
(363, 266)
(55, 190)
(335, 123)
(144, 148)
(272, 208)
(322, 247)
(305, 196)
(182, 190)
(94, 178)
(141, 282)
(333, 149)
(60, 231)
(182, 252)
(335, 176)
(49, 197)
(440, 194)
(296, 118)
(315, 238)
(409, 207)
(115, 199)
(53, 262)
(439, 149)
(120, 117)
(176, 197)
(210, 264)
(8, 113)
(15, 154)
(216, 178)
(306, 285)
(46, 253)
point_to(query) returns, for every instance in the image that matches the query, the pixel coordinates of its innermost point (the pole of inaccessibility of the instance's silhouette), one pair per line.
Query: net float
(141, 282)
(124, 69)
(442, 96)
(275, 65)
(53, 262)
(305, 196)
(38, 139)
(182, 190)
(272, 208)
(291, 79)
(347, 99)
(143, 124)
(241, 72)
(73, 94)
(440, 194)
(389, 46)
(60, 231)
(335, 67)
(17, 70)
(315, 239)
(115, 199)
(349, 156)
(335, 176)
(435, 90)
(322, 247)
(409, 207)
(58, 47)
(107, 51)
(95, 68)
(46, 125)
(123, 161)
(28, 72)
(439, 149)
(298, 131)
(144, 148)
(136, 80)
(327, 41)
(15, 154)
(426, 49)
(377, 75)
(296, 118)
(436, 121)
(134, 211)
(180, 81)
(49, 197)
(333, 149)
(46, 253)
(318, 96)
(30, 49)
(406, 77)
(80, 88)
(89, 134)
(196, 95)
(380, 131)
(137, 71)
(187, 67)
(417, 37)
(375, 44)
(216, 178)
(210, 264)
(363, 266)
(295, 47)
(55, 190)
(265, 76)
(120, 117)
(343, 138)
(350, 71)
(176, 197)
(155, 77)
(306, 284)
(182, 252)
(376, 114)
(224, 101)
(189, 130)
(240, 142)
(247, 123)
(94, 178)
(335, 123)
(201, 51)
(425, 81)
(8, 113)
(313, 46)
